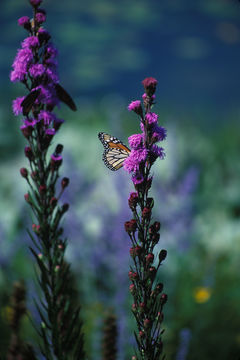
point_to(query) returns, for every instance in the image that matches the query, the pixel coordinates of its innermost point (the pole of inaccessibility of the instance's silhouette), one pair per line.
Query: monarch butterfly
(115, 152)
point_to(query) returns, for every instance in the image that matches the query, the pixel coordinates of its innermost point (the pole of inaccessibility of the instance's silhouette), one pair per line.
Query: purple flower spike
(145, 234)
(20, 65)
(136, 107)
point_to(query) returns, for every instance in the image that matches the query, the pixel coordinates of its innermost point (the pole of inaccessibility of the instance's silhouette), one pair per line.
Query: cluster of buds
(148, 298)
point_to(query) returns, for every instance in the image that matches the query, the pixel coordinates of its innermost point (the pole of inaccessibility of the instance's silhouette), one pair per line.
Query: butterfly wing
(115, 152)
(63, 96)
(29, 100)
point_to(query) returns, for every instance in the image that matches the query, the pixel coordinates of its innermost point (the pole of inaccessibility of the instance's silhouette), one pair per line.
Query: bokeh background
(106, 48)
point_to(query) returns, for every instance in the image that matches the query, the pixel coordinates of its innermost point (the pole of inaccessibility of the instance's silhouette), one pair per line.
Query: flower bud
(24, 21)
(160, 316)
(28, 153)
(24, 172)
(164, 298)
(142, 306)
(136, 107)
(149, 258)
(150, 203)
(155, 238)
(40, 256)
(141, 334)
(162, 255)
(152, 272)
(135, 251)
(132, 288)
(134, 308)
(56, 161)
(65, 207)
(157, 225)
(35, 3)
(65, 182)
(159, 288)
(42, 189)
(132, 275)
(147, 323)
(133, 200)
(57, 268)
(146, 213)
(36, 228)
(149, 84)
(131, 226)
(27, 198)
(53, 202)
(59, 149)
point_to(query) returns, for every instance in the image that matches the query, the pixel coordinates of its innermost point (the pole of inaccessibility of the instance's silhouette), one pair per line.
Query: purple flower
(135, 141)
(20, 65)
(43, 35)
(136, 107)
(159, 133)
(47, 95)
(50, 132)
(151, 118)
(30, 122)
(35, 2)
(150, 84)
(157, 151)
(37, 70)
(56, 157)
(47, 117)
(24, 21)
(16, 105)
(30, 42)
(131, 163)
(57, 123)
(137, 179)
(40, 17)
(51, 72)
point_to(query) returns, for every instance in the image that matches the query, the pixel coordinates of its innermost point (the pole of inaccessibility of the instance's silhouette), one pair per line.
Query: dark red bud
(150, 84)
(149, 258)
(34, 175)
(53, 202)
(59, 149)
(65, 182)
(159, 288)
(157, 225)
(24, 172)
(65, 207)
(164, 298)
(130, 226)
(155, 238)
(133, 200)
(150, 203)
(27, 198)
(29, 153)
(146, 213)
(135, 251)
(162, 255)
(141, 334)
(132, 275)
(42, 189)
(147, 323)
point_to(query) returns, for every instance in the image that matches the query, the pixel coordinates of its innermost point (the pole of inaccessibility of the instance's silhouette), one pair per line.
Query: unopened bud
(65, 182)
(24, 172)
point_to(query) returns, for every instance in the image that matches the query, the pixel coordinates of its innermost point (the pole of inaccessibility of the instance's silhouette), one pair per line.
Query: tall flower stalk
(35, 66)
(143, 231)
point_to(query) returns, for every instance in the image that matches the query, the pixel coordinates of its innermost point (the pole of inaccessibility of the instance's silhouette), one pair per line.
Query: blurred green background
(106, 48)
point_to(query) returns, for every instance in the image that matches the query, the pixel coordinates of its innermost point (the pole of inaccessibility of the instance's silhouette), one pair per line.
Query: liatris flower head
(136, 107)
(24, 21)
(150, 85)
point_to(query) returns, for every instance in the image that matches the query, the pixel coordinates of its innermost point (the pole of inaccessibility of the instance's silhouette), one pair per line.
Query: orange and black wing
(115, 152)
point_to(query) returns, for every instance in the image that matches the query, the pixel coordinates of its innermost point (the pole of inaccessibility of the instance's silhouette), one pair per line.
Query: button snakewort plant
(143, 232)
(35, 66)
